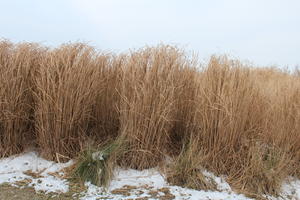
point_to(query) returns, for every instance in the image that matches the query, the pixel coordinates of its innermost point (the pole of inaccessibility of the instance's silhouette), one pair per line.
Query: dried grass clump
(187, 171)
(105, 122)
(231, 113)
(265, 170)
(226, 119)
(96, 165)
(147, 104)
(17, 67)
(65, 93)
(243, 126)
(284, 120)
(185, 100)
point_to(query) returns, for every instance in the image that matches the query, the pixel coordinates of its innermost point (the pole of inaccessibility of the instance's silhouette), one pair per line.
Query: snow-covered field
(46, 176)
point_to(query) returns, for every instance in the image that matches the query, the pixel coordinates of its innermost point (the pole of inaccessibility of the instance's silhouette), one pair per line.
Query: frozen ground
(46, 176)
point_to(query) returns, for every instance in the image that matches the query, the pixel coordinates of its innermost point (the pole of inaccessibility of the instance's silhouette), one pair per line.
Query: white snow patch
(290, 190)
(222, 185)
(152, 180)
(97, 155)
(137, 178)
(14, 169)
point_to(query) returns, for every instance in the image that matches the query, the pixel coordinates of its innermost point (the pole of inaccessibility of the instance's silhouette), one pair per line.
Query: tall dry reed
(65, 93)
(226, 126)
(17, 66)
(105, 115)
(147, 104)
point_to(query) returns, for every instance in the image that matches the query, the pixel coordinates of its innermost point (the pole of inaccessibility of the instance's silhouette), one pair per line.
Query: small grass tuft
(97, 165)
(186, 171)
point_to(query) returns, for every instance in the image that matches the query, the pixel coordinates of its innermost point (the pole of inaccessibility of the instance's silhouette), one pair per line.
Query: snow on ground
(290, 190)
(23, 168)
(147, 183)
(127, 184)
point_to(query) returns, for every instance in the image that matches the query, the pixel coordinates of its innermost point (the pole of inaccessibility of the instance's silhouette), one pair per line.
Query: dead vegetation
(223, 116)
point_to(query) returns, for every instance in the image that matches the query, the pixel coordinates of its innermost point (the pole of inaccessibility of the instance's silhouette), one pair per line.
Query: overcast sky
(265, 32)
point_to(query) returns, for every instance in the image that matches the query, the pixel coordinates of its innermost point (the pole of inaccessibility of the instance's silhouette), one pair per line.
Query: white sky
(265, 32)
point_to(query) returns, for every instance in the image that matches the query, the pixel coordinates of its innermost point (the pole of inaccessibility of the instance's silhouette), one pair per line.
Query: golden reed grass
(17, 66)
(148, 103)
(65, 91)
(223, 116)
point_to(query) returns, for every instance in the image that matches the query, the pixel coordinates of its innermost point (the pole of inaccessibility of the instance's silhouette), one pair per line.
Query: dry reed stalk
(230, 113)
(284, 120)
(228, 121)
(281, 89)
(105, 121)
(147, 104)
(17, 66)
(186, 91)
(65, 94)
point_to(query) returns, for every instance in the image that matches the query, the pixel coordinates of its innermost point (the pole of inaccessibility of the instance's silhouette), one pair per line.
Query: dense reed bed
(18, 64)
(65, 91)
(223, 116)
